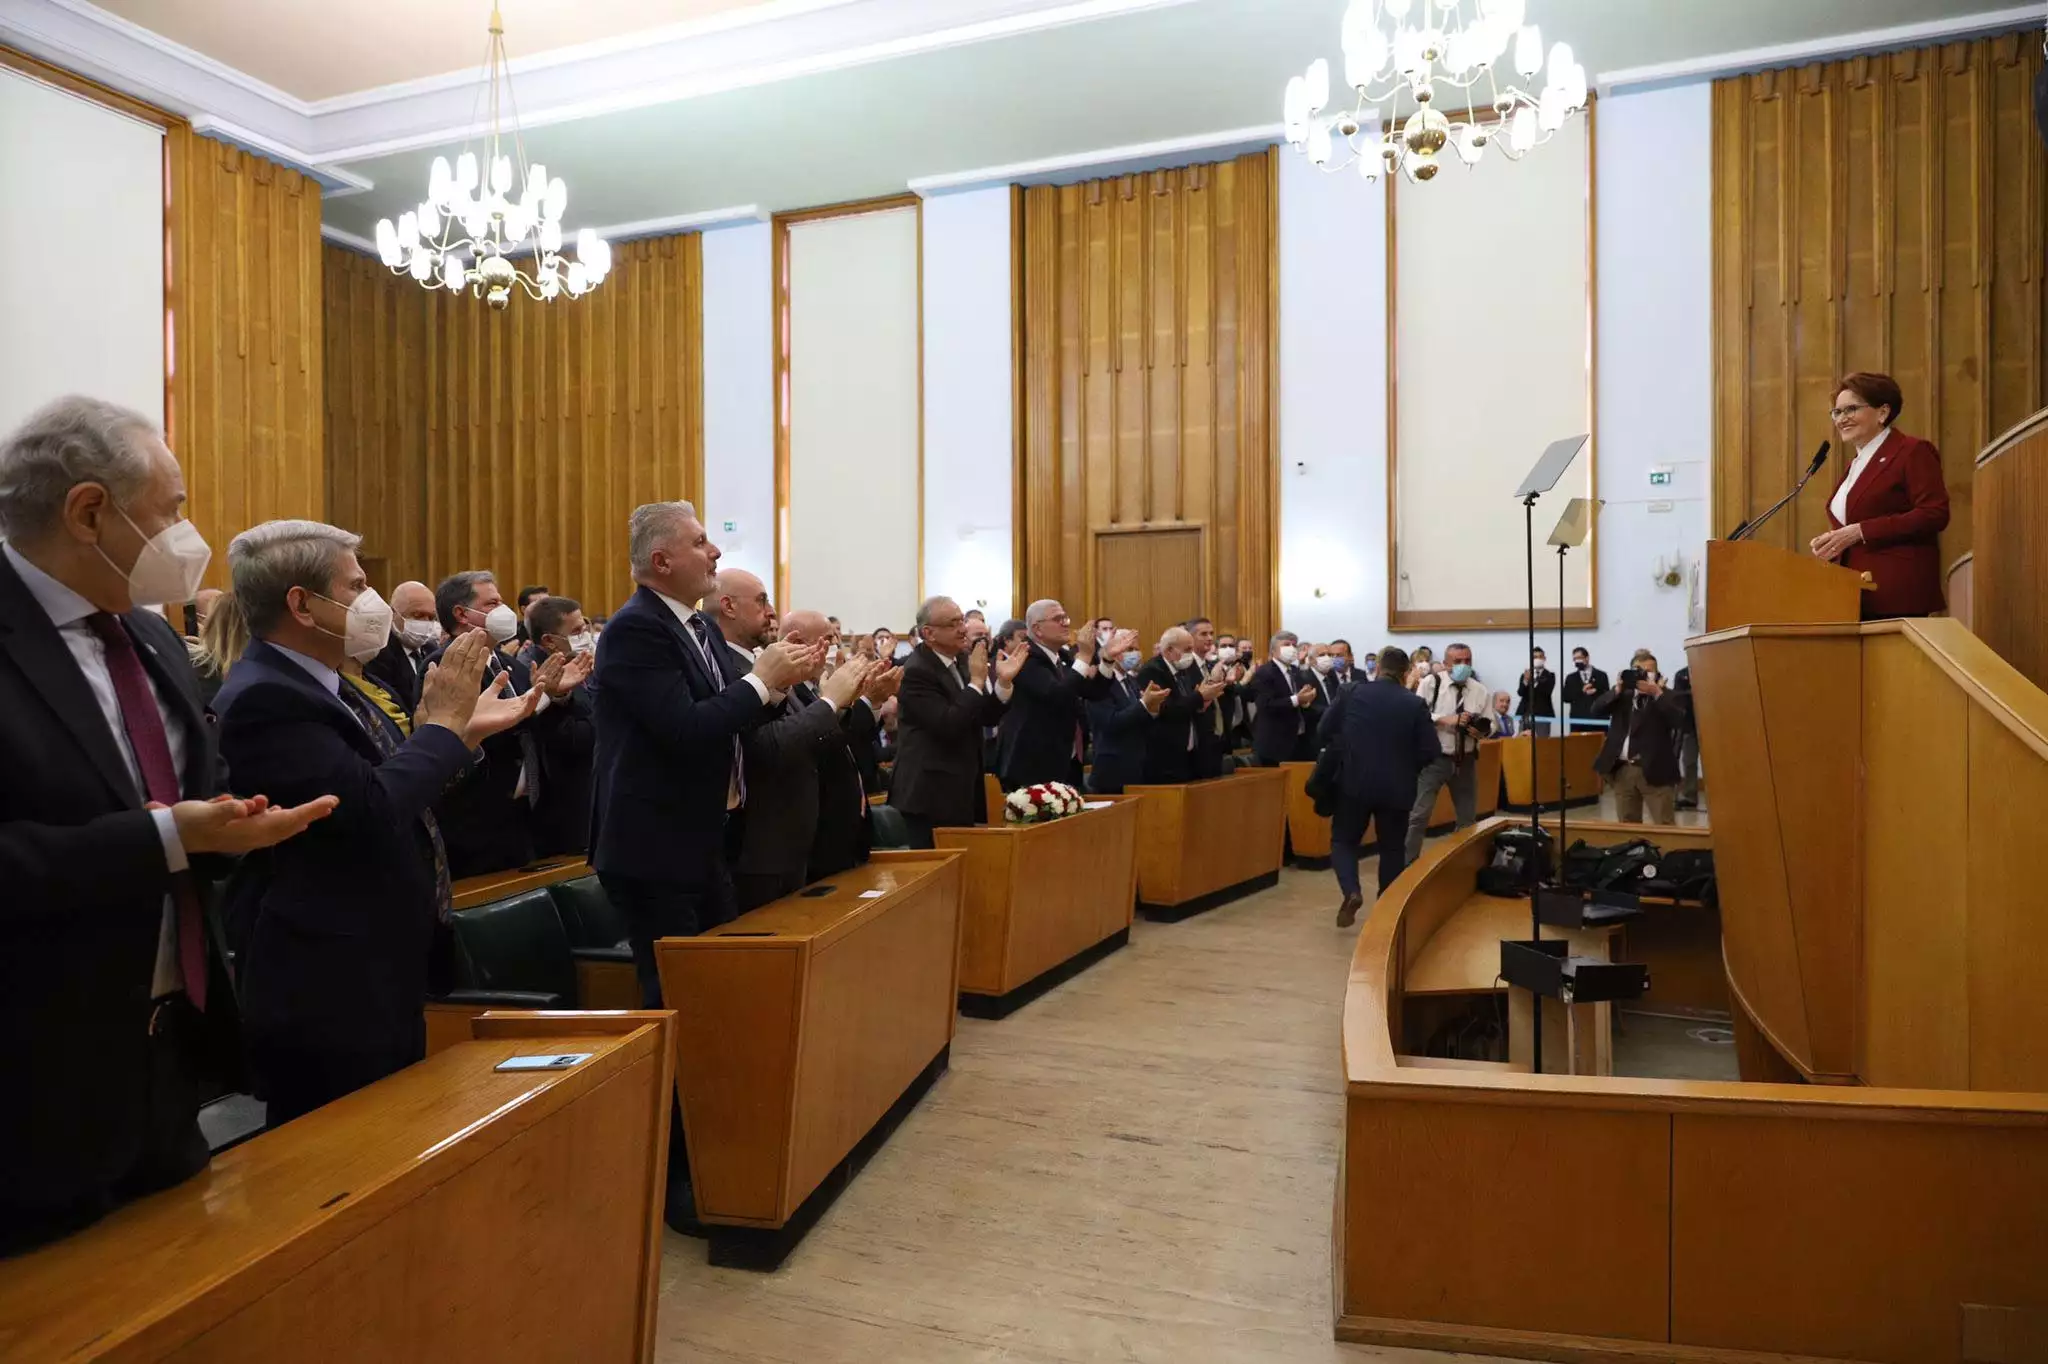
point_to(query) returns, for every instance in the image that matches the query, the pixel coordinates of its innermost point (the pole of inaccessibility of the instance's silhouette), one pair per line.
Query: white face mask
(1102, 639)
(1325, 663)
(368, 628)
(1183, 663)
(421, 634)
(170, 567)
(1537, 667)
(1227, 654)
(583, 643)
(1288, 653)
(501, 622)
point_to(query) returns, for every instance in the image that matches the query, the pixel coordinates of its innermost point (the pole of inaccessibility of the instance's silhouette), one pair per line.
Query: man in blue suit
(670, 791)
(334, 929)
(1116, 725)
(1385, 735)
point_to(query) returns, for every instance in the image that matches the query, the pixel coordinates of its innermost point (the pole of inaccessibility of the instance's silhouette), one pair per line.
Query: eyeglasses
(1841, 412)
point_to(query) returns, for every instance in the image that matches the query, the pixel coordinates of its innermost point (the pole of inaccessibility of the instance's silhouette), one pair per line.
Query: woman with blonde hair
(222, 638)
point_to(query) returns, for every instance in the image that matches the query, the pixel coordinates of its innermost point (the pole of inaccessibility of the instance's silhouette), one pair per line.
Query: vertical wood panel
(1146, 374)
(245, 415)
(520, 441)
(1881, 213)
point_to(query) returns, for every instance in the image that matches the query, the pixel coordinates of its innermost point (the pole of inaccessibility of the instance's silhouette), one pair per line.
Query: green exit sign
(1660, 478)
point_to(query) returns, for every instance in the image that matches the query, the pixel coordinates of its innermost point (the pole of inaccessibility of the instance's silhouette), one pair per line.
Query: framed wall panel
(849, 398)
(1492, 355)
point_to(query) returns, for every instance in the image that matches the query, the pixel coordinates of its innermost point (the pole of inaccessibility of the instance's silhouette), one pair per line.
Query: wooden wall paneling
(518, 441)
(1885, 213)
(2007, 933)
(245, 415)
(1916, 871)
(2009, 572)
(1145, 351)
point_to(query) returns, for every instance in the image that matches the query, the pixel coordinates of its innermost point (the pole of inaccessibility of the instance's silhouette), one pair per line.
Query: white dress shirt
(1446, 697)
(1840, 504)
(68, 611)
(1079, 665)
(1003, 690)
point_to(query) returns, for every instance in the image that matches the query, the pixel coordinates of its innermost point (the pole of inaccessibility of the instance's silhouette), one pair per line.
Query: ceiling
(316, 49)
(661, 109)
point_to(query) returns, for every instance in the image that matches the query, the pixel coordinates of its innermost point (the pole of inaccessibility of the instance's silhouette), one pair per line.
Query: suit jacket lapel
(291, 674)
(40, 652)
(702, 685)
(183, 700)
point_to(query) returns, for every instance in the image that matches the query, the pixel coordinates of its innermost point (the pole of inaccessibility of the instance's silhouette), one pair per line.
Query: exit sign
(1660, 478)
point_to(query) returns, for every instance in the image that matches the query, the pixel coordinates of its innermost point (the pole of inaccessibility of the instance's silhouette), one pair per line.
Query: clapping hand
(1211, 689)
(881, 683)
(1011, 663)
(227, 825)
(561, 675)
(1153, 697)
(977, 663)
(449, 691)
(1122, 642)
(1306, 696)
(845, 682)
(782, 664)
(496, 712)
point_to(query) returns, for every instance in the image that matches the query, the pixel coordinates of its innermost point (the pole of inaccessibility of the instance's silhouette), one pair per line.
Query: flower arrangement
(1037, 804)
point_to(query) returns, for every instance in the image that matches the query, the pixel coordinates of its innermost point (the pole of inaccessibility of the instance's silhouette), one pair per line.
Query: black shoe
(1688, 805)
(680, 1212)
(1347, 913)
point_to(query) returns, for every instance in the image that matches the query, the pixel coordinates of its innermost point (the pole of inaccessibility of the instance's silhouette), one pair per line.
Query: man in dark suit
(1639, 761)
(1584, 685)
(485, 820)
(1117, 722)
(671, 706)
(1386, 737)
(1282, 695)
(940, 717)
(415, 639)
(1320, 673)
(564, 728)
(1044, 733)
(1538, 693)
(1181, 745)
(783, 755)
(108, 981)
(335, 930)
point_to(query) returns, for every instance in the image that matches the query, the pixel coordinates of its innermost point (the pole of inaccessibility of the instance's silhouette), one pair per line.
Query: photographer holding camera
(1462, 708)
(1639, 761)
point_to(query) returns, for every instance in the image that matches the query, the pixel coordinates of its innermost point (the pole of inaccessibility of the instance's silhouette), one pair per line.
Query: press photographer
(1639, 761)
(1462, 709)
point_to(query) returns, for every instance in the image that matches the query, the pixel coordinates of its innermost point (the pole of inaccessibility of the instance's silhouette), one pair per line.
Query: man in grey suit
(780, 756)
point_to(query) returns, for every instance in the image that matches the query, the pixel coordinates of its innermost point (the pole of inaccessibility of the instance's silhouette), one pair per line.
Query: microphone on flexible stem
(1750, 527)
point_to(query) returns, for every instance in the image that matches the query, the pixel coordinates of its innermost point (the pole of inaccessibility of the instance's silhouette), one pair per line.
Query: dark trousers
(173, 1150)
(920, 831)
(295, 1079)
(1347, 831)
(654, 909)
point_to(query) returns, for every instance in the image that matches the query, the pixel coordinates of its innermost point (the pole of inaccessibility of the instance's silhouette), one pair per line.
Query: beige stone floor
(1137, 1167)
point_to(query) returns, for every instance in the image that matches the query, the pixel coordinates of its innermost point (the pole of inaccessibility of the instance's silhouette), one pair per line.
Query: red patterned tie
(145, 726)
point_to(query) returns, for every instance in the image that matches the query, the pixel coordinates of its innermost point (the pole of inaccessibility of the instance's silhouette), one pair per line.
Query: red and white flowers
(1037, 804)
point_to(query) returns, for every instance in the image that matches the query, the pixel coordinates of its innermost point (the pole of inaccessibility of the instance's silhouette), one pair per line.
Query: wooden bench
(472, 891)
(1042, 902)
(1530, 773)
(806, 1030)
(450, 1211)
(1204, 843)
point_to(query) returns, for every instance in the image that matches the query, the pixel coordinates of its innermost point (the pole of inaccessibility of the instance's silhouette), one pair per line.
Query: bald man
(415, 635)
(1175, 745)
(781, 756)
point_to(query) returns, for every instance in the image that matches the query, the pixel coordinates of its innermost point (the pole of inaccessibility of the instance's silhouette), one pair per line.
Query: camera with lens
(1628, 679)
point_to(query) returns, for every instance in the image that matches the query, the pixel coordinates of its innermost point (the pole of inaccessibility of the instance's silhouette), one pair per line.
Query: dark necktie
(719, 682)
(144, 724)
(372, 720)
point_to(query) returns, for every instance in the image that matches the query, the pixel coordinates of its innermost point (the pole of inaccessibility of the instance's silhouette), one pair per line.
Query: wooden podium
(1752, 584)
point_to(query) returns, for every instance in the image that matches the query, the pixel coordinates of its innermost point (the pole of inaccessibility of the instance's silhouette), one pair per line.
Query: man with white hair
(108, 810)
(1044, 732)
(940, 716)
(1175, 747)
(334, 931)
(415, 638)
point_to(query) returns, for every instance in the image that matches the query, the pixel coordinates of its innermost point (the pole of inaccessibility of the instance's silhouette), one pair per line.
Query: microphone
(1749, 528)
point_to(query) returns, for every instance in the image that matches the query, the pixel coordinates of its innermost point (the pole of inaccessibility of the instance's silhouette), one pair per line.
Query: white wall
(739, 396)
(968, 398)
(82, 238)
(1333, 405)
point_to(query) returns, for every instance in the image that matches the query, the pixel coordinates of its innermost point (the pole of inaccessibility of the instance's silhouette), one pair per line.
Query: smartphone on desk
(561, 1060)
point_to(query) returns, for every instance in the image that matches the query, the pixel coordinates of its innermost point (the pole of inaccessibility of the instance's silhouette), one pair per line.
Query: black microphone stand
(1535, 753)
(1748, 529)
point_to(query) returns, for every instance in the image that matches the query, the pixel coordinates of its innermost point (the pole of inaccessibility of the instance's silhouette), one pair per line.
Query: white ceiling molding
(1822, 49)
(335, 182)
(1102, 161)
(751, 46)
(348, 239)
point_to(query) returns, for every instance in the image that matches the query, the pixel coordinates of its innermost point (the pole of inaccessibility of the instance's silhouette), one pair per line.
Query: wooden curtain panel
(1147, 373)
(519, 441)
(1879, 213)
(244, 298)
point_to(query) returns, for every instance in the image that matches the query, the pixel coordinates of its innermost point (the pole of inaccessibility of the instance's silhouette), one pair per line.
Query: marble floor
(1137, 1167)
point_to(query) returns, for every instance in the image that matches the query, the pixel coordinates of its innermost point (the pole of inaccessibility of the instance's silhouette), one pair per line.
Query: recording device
(1749, 528)
(191, 620)
(1546, 969)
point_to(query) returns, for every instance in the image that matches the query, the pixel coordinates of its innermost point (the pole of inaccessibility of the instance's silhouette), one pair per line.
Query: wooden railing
(2009, 542)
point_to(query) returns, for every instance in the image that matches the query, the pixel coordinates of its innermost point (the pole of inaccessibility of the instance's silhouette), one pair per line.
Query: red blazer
(1902, 504)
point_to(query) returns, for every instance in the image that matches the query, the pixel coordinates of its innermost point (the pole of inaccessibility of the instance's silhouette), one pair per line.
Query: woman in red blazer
(1888, 511)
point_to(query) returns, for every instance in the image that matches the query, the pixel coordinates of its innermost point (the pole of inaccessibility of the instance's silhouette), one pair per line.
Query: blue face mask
(1461, 672)
(1131, 659)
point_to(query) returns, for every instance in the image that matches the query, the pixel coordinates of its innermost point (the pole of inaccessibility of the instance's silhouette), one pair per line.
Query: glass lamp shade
(551, 236)
(1529, 50)
(1506, 15)
(1320, 147)
(1318, 84)
(387, 244)
(451, 272)
(1397, 9)
(422, 267)
(408, 228)
(557, 201)
(440, 181)
(430, 221)
(466, 178)
(1294, 110)
(1522, 130)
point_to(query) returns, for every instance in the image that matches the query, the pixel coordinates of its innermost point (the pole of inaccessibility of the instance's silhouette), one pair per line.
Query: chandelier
(1420, 48)
(466, 231)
